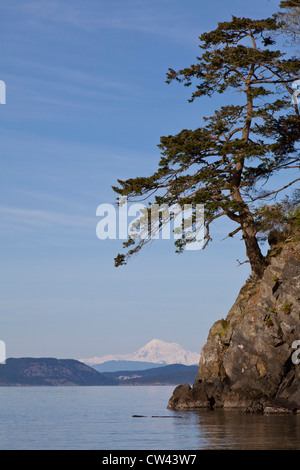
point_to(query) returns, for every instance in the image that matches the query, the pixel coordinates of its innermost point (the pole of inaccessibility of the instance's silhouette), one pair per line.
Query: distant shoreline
(51, 372)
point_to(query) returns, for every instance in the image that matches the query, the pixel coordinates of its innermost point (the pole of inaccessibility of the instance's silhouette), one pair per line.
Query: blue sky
(86, 104)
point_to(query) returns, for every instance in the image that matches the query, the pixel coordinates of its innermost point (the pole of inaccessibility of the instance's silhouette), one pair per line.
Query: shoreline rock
(247, 359)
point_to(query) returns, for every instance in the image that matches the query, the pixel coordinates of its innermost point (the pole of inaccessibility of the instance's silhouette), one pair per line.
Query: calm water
(101, 418)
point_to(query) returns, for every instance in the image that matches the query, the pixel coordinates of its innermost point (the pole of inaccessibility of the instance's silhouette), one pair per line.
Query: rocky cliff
(248, 360)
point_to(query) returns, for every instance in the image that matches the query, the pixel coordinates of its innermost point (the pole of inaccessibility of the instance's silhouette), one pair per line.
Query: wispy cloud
(70, 88)
(34, 217)
(156, 17)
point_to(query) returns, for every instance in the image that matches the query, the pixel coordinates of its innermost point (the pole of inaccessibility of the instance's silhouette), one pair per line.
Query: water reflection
(98, 418)
(233, 429)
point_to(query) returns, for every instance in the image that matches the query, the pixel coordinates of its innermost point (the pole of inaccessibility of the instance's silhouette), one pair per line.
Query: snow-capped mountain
(156, 351)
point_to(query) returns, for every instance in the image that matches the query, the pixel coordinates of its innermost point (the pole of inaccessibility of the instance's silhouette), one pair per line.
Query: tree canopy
(290, 16)
(225, 163)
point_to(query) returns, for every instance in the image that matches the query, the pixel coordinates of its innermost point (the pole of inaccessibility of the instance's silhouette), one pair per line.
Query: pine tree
(225, 163)
(290, 17)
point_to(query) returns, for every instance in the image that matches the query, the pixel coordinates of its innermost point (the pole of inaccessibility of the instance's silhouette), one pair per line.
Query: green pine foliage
(225, 163)
(290, 17)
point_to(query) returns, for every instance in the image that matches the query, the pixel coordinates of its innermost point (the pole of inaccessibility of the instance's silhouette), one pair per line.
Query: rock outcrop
(250, 358)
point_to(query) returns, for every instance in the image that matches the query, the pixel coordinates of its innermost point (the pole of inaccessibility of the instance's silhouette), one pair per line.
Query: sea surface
(102, 418)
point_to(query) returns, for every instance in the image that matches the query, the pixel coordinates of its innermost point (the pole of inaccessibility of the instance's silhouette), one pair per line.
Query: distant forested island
(28, 371)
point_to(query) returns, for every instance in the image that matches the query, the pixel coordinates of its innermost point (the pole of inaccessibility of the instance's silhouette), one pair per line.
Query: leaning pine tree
(225, 164)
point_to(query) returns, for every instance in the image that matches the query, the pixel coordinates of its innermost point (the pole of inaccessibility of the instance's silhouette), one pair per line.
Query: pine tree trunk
(253, 251)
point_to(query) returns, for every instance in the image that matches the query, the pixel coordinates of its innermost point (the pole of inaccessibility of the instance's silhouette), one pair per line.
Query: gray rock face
(248, 358)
